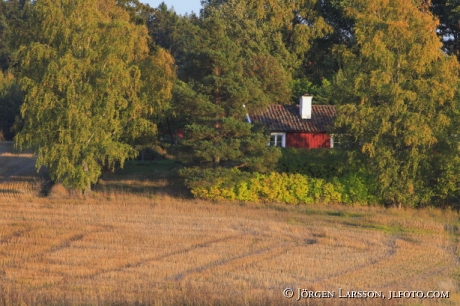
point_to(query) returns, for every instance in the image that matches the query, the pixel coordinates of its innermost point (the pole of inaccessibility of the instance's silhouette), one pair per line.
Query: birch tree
(91, 84)
(398, 95)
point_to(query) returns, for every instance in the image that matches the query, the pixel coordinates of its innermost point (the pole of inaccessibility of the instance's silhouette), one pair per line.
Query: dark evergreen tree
(221, 83)
(448, 12)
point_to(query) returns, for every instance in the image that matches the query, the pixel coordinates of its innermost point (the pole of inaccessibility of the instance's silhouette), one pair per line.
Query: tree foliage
(284, 29)
(222, 81)
(321, 60)
(397, 91)
(165, 28)
(14, 19)
(140, 13)
(90, 86)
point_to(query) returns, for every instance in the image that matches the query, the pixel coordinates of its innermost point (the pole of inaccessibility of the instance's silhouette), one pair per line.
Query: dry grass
(169, 251)
(115, 248)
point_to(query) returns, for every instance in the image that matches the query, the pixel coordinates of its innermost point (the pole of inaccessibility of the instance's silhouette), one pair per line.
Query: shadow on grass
(148, 178)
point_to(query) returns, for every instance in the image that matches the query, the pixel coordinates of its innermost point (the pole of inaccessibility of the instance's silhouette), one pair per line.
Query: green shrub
(233, 184)
(317, 163)
(213, 183)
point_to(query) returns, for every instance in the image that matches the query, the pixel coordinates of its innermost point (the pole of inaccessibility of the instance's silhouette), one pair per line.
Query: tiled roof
(286, 118)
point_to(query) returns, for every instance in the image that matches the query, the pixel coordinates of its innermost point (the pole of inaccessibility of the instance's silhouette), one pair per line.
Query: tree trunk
(171, 132)
(87, 189)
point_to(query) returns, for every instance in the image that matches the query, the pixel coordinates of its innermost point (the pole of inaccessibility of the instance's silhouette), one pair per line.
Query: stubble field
(124, 245)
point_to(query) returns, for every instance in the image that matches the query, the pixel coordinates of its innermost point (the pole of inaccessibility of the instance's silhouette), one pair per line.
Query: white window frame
(283, 139)
(336, 139)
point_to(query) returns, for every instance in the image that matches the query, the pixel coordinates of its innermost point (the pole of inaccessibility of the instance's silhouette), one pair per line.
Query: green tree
(140, 13)
(91, 86)
(397, 92)
(321, 59)
(221, 82)
(284, 29)
(164, 28)
(14, 18)
(168, 31)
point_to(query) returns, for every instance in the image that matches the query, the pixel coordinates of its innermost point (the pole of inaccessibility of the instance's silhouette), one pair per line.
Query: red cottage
(298, 126)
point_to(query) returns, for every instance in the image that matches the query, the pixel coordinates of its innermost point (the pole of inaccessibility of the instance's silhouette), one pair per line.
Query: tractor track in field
(164, 256)
(389, 252)
(277, 249)
(16, 234)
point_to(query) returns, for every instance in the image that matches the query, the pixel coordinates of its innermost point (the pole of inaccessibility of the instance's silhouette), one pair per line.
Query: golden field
(120, 247)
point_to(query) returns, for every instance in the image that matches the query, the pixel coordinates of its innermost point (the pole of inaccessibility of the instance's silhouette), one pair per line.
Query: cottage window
(278, 140)
(341, 141)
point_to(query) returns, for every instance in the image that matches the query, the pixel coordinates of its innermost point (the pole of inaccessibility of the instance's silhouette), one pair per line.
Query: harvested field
(125, 249)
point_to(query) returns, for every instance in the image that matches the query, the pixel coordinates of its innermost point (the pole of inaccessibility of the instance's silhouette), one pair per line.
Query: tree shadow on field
(17, 167)
(148, 178)
(17, 171)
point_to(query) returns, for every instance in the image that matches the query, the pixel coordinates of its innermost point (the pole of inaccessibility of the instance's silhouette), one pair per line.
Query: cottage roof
(286, 118)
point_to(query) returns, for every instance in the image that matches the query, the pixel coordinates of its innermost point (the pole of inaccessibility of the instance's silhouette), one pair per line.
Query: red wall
(308, 140)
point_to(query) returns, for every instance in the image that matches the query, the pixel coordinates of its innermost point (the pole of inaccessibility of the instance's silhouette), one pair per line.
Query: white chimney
(305, 106)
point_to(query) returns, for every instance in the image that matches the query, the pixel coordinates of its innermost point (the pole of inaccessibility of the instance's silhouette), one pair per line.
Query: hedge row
(233, 184)
(317, 163)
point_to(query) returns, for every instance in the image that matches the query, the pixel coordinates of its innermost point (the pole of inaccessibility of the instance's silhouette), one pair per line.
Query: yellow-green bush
(233, 184)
